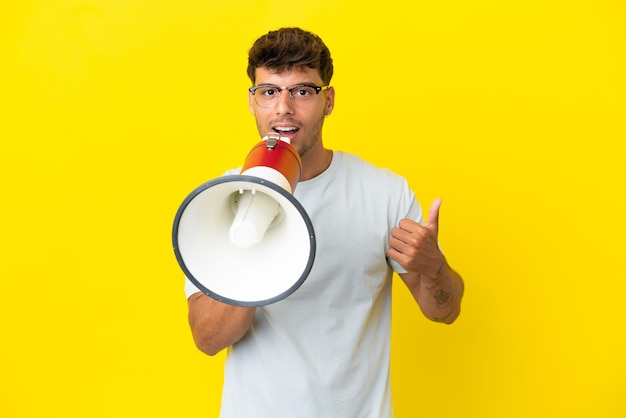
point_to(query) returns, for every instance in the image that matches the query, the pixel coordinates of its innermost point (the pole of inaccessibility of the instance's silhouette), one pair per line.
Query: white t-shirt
(324, 350)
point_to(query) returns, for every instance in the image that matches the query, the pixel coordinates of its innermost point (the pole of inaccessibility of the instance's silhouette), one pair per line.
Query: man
(324, 350)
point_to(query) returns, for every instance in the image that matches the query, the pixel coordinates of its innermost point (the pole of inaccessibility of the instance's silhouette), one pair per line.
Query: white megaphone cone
(244, 239)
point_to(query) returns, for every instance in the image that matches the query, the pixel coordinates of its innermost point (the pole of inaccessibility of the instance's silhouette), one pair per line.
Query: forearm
(438, 297)
(216, 325)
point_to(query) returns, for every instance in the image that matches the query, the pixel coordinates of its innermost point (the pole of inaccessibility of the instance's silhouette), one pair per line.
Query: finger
(433, 216)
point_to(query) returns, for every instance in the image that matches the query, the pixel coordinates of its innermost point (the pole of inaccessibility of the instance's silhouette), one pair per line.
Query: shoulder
(356, 166)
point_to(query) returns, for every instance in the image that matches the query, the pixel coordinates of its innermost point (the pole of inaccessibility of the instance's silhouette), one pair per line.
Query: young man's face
(299, 120)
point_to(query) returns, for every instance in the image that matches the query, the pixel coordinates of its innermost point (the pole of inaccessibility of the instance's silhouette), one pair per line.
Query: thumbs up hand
(415, 247)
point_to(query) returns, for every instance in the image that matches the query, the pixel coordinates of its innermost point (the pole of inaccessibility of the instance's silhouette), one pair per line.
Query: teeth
(285, 129)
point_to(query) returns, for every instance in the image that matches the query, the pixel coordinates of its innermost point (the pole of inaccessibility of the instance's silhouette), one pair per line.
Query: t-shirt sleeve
(190, 288)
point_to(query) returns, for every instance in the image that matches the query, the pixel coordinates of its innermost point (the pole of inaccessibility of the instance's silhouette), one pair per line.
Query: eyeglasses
(267, 95)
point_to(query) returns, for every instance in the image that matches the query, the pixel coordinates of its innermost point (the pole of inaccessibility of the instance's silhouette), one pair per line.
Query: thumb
(433, 216)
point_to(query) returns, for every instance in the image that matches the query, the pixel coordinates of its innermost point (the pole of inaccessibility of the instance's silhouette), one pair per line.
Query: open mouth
(286, 131)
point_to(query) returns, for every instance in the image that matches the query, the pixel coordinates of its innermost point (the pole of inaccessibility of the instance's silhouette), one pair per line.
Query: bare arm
(437, 288)
(216, 325)
(439, 297)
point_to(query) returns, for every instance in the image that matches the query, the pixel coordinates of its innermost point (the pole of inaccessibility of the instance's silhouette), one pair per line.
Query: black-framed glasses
(266, 95)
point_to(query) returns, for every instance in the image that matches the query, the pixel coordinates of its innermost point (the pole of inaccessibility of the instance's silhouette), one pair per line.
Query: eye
(303, 91)
(268, 91)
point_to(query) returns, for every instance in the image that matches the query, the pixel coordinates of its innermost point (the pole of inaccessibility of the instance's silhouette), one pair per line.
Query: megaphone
(244, 239)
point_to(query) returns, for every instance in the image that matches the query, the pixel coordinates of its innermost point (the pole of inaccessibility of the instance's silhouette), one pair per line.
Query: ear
(330, 101)
(251, 103)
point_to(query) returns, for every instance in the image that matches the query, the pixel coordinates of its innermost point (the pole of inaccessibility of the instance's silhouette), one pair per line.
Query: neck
(314, 165)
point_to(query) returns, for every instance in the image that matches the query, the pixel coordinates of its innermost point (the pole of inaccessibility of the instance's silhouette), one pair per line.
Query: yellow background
(513, 112)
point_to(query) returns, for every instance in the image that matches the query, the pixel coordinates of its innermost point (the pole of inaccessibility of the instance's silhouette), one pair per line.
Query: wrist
(438, 274)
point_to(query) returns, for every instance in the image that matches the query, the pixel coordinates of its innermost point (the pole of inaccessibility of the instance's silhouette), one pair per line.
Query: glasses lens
(302, 93)
(267, 96)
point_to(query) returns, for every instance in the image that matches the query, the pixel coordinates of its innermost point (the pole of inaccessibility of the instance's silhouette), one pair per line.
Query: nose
(284, 104)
